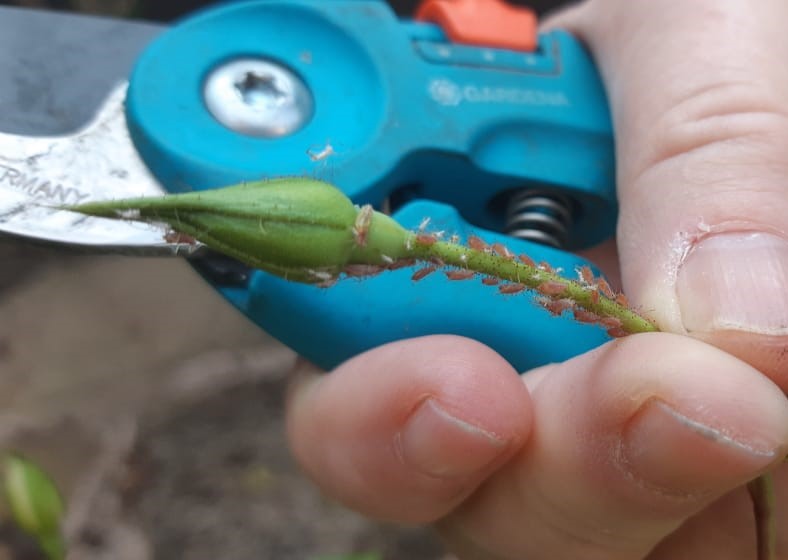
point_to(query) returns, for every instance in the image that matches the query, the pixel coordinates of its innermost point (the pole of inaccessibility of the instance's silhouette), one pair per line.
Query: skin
(639, 448)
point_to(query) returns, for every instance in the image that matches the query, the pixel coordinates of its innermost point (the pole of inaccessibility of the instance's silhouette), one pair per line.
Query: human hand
(637, 449)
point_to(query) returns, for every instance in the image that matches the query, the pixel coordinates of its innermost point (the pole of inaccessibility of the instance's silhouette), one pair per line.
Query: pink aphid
(426, 239)
(400, 263)
(460, 274)
(594, 296)
(622, 300)
(617, 333)
(605, 288)
(544, 265)
(477, 243)
(422, 272)
(610, 322)
(526, 260)
(503, 251)
(556, 306)
(178, 237)
(551, 288)
(362, 270)
(511, 288)
(583, 316)
(490, 281)
(586, 275)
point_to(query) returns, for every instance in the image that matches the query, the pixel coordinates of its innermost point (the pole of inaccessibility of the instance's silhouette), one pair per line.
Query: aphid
(400, 263)
(556, 306)
(437, 262)
(361, 225)
(544, 265)
(178, 237)
(605, 288)
(502, 250)
(551, 288)
(617, 333)
(477, 243)
(586, 275)
(583, 316)
(526, 260)
(610, 322)
(426, 239)
(460, 274)
(512, 288)
(490, 281)
(622, 300)
(362, 270)
(422, 272)
(594, 296)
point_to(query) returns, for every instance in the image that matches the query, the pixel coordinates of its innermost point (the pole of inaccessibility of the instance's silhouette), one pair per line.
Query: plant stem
(508, 268)
(763, 500)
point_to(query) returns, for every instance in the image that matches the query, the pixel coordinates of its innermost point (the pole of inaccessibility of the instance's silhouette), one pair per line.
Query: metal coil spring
(539, 216)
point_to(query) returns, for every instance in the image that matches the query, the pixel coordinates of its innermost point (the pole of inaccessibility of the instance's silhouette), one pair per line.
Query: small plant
(309, 231)
(35, 504)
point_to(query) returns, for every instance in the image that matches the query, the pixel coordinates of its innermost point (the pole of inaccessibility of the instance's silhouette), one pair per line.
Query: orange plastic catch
(487, 23)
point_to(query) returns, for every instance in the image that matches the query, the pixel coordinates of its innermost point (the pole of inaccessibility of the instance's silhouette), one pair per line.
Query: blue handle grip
(444, 130)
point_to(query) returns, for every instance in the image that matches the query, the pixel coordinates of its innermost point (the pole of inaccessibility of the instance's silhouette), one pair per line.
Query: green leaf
(35, 503)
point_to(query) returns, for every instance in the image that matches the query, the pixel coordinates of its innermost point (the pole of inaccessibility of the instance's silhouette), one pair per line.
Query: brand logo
(449, 93)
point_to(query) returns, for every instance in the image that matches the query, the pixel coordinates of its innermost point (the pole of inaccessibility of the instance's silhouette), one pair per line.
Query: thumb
(699, 95)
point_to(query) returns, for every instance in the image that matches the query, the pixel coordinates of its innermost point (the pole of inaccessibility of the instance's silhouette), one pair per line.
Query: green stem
(763, 500)
(508, 268)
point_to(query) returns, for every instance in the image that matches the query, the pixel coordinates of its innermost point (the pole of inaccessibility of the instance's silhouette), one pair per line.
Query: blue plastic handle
(447, 130)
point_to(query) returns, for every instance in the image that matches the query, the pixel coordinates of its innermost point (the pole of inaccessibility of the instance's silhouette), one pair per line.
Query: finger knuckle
(713, 121)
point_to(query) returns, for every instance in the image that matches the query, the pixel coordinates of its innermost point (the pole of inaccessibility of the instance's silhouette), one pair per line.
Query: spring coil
(539, 216)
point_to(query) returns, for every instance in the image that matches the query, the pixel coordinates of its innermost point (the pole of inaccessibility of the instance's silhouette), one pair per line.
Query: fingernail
(667, 449)
(735, 281)
(439, 444)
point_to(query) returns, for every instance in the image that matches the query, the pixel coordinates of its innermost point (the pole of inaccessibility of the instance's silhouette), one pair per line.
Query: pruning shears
(465, 115)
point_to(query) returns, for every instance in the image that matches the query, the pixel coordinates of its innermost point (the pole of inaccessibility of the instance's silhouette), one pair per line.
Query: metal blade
(98, 162)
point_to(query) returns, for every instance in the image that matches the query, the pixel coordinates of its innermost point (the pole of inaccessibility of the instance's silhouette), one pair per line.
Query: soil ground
(159, 411)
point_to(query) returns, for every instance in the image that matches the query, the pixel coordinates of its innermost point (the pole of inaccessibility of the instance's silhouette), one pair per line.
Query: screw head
(258, 97)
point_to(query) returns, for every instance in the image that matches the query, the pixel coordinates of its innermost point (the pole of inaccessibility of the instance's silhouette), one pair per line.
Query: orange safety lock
(486, 23)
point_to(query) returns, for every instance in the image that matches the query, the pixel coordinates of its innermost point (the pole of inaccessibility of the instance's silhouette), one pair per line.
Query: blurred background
(157, 408)
(166, 11)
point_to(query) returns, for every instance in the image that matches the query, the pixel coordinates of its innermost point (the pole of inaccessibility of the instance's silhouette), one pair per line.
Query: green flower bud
(35, 503)
(299, 229)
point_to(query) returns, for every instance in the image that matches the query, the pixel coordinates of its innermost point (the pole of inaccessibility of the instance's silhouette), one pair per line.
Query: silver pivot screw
(540, 216)
(258, 97)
